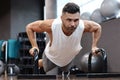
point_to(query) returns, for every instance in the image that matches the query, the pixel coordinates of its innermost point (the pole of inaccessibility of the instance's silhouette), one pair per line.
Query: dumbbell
(2, 67)
(74, 70)
(12, 69)
(36, 71)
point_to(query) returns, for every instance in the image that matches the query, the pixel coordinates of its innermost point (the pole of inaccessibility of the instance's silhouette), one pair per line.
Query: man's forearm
(96, 36)
(31, 36)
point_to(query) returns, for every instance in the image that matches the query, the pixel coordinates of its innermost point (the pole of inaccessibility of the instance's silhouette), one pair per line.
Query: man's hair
(71, 8)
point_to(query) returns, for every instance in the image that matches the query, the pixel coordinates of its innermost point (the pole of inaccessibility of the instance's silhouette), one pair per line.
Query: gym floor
(5, 77)
(59, 78)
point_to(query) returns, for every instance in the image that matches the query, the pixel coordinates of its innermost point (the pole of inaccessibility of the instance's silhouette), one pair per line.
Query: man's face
(70, 21)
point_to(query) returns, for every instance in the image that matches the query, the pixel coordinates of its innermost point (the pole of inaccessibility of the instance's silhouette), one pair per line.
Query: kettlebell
(94, 63)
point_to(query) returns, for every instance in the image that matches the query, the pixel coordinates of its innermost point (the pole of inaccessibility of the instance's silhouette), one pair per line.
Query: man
(65, 35)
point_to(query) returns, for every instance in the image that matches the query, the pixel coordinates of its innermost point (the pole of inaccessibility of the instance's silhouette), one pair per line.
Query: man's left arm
(95, 29)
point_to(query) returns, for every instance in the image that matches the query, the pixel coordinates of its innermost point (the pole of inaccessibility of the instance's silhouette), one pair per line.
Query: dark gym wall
(16, 14)
(22, 13)
(110, 40)
(4, 19)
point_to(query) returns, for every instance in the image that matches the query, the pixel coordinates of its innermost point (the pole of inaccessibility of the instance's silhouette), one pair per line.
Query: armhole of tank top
(53, 26)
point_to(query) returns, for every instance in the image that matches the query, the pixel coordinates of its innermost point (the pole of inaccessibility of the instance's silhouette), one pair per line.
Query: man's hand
(95, 50)
(31, 51)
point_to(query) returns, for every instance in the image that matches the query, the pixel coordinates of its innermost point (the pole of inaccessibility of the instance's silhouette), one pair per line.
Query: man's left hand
(95, 50)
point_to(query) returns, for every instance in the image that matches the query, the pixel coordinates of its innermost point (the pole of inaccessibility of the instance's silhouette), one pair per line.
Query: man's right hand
(31, 51)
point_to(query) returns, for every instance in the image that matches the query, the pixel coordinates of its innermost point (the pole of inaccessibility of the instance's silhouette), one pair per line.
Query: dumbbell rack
(26, 63)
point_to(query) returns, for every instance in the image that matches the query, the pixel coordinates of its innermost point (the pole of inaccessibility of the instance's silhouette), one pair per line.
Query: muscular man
(65, 33)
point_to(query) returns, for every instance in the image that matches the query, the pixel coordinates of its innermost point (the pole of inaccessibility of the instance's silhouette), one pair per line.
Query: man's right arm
(37, 26)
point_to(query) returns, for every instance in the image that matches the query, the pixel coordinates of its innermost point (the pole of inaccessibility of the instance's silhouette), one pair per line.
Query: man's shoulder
(50, 22)
(57, 20)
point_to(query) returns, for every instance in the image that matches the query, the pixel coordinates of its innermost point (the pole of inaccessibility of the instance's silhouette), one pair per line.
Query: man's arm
(95, 29)
(30, 29)
(37, 26)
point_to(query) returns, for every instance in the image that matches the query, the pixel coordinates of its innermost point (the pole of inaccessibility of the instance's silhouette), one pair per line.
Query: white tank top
(64, 48)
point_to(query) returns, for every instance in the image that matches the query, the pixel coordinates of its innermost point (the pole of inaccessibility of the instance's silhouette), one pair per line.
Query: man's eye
(75, 20)
(69, 20)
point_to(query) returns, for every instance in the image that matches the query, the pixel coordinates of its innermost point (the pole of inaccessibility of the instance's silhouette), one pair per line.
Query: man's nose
(72, 23)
